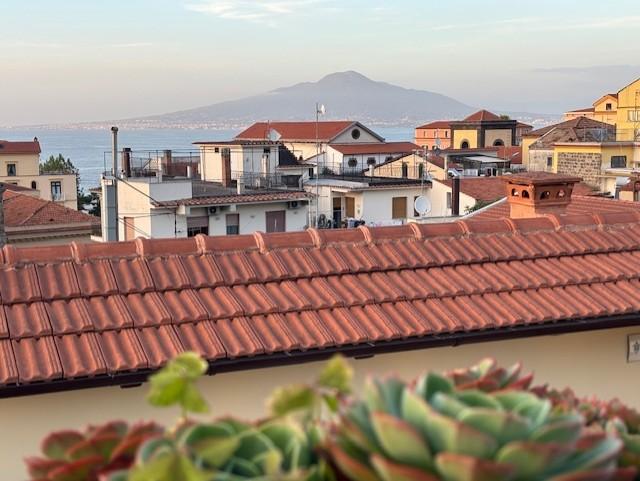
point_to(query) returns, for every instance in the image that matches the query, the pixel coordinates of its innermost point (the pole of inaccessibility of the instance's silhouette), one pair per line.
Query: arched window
(464, 144)
(352, 162)
(498, 143)
(420, 171)
(34, 186)
(405, 170)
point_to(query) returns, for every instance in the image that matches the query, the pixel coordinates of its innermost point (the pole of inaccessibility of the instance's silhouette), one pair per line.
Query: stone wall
(585, 165)
(538, 160)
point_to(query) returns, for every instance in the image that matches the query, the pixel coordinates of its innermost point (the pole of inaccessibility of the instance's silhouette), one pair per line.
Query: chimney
(126, 162)
(114, 150)
(240, 186)
(167, 161)
(226, 167)
(536, 194)
(455, 196)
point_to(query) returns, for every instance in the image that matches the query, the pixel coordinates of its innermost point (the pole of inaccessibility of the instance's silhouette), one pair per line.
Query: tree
(505, 117)
(58, 165)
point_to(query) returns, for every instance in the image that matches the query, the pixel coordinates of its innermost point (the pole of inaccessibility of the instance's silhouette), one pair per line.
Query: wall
(26, 164)
(427, 138)
(628, 100)
(253, 217)
(582, 161)
(438, 198)
(470, 135)
(491, 135)
(538, 160)
(590, 363)
(43, 185)
(376, 204)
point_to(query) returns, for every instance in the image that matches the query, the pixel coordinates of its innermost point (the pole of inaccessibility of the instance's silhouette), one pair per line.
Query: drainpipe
(114, 152)
(455, 196)
(3, 233)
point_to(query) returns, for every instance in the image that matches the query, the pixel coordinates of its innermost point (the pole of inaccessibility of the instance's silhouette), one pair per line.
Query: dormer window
(608, 107)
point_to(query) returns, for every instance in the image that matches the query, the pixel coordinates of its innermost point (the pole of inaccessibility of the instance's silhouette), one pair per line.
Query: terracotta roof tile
(22, 209)
(236, 199)
(437, 124)
(376, 148)
(482, 116)
(115, 309)
(19, 147)
(300, 131)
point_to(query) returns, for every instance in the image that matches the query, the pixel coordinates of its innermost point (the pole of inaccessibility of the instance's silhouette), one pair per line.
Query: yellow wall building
(628, 114)
(603, 110)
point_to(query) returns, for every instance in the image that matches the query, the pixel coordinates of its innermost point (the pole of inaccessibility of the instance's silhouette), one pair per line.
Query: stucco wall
(591, 363)
(438, 198)
(491, 135)
(43, 186)
(538, 160)
(26, 164)
(253, 218)
(470, 135)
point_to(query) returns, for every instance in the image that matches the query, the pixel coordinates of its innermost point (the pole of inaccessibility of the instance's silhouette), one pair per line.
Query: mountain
(346, 95)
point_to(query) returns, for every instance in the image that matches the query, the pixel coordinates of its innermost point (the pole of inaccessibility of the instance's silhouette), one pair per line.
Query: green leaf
(431, 384)
(502, 425)
(401, 441)
(167, 389)
(169, 467)
(531, 460)
(56, 445)
(446, 434)
(289, 399)
(351, 466)
(337, 374)
(190, 365)
(193, 401)
(390, 471)
(457, 467)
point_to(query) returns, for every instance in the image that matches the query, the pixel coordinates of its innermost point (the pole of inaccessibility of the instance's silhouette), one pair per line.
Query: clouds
(259, 11)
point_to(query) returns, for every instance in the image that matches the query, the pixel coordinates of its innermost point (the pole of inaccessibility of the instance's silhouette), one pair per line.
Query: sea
(89, 149)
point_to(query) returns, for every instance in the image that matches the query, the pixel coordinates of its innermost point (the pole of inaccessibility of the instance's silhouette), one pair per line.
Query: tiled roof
(11, 147)
(376, 148)
(580, 129)
(97, 314)
(512, 153)
(482, 116)
(578, 122)
(236, 199)
(22, 210)
(300, 131)
(480, 188)
(586, 109)
(438, 124)
(522, 125)
(581, 204)
(16, 188)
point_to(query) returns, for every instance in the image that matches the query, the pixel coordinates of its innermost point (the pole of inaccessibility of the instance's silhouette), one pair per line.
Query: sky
(88, 60)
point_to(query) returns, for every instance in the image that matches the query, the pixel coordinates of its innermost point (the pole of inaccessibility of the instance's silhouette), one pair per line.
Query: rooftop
(301, 131)
(482, 116)
(24, 210)
(84, 315)
(18, 148)
(376, 148)
(485, 189)
(252, 197)
(569, 126)
(438, 124)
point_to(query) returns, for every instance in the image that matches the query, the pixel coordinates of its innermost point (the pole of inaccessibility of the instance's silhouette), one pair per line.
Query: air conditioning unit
(293, 204)
(216, 209)
(213, 210)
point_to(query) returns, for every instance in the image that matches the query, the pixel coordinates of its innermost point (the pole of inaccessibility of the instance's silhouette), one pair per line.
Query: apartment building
(20, 165)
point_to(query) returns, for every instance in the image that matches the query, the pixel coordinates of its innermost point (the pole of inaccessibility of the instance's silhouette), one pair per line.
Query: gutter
(360, 351)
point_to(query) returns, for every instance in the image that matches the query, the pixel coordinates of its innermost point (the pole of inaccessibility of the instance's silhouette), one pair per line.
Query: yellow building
(603, 110)
(628, 114)
(483, 129)
(20, 165)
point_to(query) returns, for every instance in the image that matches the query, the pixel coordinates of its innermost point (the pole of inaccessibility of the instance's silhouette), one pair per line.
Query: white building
(355, 157)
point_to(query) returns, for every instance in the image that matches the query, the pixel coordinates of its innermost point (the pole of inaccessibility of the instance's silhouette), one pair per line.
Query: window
(34, 186)
(216, 150)
(350, 206)
(446, 134)
(550, 161)
(233, 224)
(449, 199)
(276, 221)
(618, 161)
(352, 162)
(11, 170)
(56, 190)
(355, 134)
(608, 107)
(399, 208)
(464, 144)
(372, 161)
(197, 225)
(498, 143)
(420, 171)
(634, 115)
(405, 170)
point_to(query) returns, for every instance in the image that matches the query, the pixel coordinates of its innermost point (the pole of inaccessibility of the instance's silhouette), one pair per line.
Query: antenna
(422, 205)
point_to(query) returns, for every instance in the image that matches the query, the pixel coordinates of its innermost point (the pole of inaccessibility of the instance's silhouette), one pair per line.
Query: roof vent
(536, 194)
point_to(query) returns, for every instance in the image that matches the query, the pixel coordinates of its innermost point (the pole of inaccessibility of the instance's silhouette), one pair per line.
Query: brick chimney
(226, 167)
(536, 194)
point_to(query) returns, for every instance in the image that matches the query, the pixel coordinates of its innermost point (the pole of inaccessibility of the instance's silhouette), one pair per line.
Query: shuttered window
(399, 207)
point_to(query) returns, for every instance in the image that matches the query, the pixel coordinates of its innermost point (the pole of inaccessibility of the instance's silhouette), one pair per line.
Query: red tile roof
(586, 109)
(17, 188)
(300, 131)
(376, 148)
(512, 153)
(11, 147)
(97, 314)
(482, 116)
(237, 199)
(581, 204)
(21, 210)
(486, 189)
(438, 124)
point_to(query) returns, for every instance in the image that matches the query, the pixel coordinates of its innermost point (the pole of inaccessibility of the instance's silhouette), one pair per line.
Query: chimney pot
(536, 194)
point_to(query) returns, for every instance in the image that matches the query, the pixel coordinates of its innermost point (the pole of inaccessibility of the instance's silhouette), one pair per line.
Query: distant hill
(347, 95)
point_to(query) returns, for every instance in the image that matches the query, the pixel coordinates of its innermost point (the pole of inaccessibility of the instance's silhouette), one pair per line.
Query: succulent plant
(433, 431)
(487, 376)
(89, 455)
(229, 450)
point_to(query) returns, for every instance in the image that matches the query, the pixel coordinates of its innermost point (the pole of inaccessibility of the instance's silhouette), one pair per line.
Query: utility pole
(3, 232)
(319, 111)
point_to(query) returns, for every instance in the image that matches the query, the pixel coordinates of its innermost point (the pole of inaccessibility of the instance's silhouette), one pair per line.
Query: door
(350, 206)
(399, 208)
(276, 221)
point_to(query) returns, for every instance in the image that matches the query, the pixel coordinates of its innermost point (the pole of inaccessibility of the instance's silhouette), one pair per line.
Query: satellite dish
(437, 150)
(422, 205)
(274, 135)
(322, 109)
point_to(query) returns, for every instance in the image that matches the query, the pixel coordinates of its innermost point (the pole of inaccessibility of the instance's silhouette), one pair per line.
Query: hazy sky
(76, 60)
